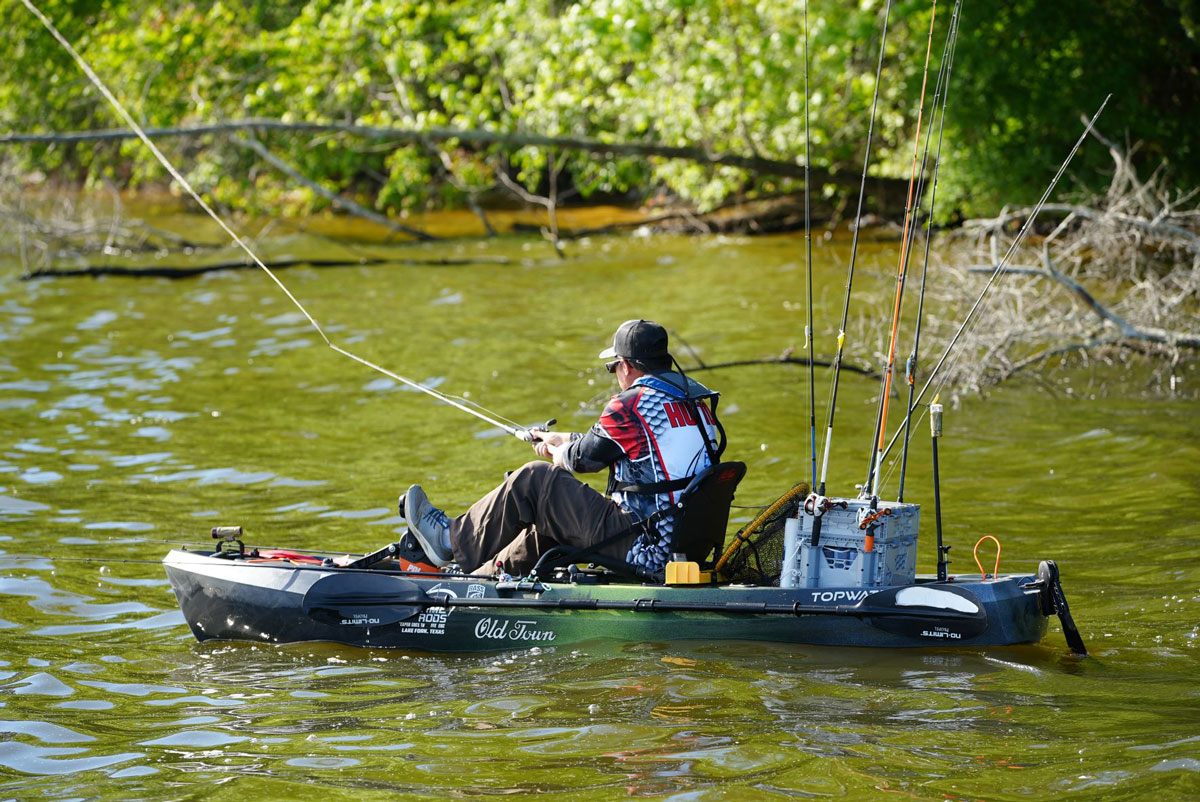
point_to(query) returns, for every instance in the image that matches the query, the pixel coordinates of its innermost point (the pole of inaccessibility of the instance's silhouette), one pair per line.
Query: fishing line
(48, 558)
(187, 543)
(486, 416)
(841, 337)
(251, 562)
(809, 342)
(972, 317)
(942, 90)
(901, 275)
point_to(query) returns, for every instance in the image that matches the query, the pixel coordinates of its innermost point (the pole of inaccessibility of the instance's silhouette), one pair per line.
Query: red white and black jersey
(647, 435)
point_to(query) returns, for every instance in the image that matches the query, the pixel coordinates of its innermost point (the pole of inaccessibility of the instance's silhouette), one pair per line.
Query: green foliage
(724, 75)
(1027, 71)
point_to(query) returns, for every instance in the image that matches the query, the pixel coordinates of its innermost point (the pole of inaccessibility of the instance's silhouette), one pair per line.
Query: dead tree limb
(781, 360)
(755, 164)
(1139, 242)
(1049, 353)
(1128, 331)
(188, 271)
(1157, 227)
(334, 198)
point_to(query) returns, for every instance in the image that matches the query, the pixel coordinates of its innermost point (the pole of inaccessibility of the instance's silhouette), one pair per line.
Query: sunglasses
(611, 367)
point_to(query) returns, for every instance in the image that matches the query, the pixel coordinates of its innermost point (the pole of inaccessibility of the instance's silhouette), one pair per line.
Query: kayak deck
(233, 597)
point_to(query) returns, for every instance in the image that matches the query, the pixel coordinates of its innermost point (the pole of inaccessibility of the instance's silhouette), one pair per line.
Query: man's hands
(550, 445)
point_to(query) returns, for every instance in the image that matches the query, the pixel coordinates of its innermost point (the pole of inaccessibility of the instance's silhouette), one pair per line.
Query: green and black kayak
(287, 597)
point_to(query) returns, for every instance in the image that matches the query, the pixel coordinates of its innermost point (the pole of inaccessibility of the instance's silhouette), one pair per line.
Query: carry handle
(996, 568)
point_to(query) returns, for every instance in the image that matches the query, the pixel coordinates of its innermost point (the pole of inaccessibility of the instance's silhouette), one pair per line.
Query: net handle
(743, 536)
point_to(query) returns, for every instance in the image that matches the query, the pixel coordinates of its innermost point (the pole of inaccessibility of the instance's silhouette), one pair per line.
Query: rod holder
(935, 430)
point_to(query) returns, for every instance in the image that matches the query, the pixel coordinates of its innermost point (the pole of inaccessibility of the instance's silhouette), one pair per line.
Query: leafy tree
(725, 75)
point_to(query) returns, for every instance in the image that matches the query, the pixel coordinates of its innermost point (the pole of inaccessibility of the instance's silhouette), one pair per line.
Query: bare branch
(781, 360)
(188, 271)
(1128, 331)
(1156, 227)
(334, 198)
(701, 155)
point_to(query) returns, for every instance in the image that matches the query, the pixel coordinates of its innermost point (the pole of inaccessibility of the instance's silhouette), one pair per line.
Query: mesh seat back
(700, 525)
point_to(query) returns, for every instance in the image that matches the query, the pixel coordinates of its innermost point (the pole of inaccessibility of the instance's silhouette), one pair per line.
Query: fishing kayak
(290, 597)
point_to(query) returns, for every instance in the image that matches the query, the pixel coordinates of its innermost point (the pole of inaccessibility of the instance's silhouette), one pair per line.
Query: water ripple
(29, 759)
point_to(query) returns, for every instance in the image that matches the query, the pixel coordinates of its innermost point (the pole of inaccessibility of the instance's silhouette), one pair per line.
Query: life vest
(667, 435)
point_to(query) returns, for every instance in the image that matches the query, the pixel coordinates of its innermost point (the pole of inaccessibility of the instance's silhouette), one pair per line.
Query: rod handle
(935, 419)
(527, 433)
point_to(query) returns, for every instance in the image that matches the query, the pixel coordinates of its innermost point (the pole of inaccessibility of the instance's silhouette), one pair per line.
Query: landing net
(756, 555)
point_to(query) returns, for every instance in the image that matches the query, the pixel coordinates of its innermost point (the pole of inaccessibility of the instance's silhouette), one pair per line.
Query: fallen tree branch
(1139, 242)
(334, 198)
(1156, 227)
(1128, 331)
(160, 271)
(517, 140)
(781, 360)
(134, 233)
(717, 215)
(1041, 356)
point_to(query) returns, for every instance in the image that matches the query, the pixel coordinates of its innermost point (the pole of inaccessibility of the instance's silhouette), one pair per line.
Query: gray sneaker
(429, 524)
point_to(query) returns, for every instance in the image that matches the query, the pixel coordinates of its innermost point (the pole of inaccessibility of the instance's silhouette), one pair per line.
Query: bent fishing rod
(972, 314)
(523, 433)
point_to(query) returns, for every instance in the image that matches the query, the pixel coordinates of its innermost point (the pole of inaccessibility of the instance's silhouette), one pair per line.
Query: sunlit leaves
(723, 75)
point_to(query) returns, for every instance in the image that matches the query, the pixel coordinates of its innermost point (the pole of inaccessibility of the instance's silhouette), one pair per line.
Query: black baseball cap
(638, 340)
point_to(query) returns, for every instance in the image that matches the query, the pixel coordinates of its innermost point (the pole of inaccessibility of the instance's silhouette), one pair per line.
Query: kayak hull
(227, 598)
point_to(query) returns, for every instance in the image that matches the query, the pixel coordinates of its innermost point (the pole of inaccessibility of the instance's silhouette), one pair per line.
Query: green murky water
(143, 411)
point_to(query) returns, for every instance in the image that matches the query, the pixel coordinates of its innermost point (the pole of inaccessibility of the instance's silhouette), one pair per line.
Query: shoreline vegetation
(692, 117)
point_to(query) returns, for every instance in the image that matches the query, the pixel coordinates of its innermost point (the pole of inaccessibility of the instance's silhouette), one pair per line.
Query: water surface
(139, 413)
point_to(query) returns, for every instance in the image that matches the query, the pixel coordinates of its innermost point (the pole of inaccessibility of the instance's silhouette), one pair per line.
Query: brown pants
(537, 507)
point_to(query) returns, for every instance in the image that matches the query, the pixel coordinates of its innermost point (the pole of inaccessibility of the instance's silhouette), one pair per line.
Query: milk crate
(840, 559)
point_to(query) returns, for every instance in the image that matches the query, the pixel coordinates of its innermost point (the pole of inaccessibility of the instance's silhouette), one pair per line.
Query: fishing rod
(809, 342)
(271, 564)
(901, 273)
(816, 503)
(971, 316)
(910, 371)
(520, 432)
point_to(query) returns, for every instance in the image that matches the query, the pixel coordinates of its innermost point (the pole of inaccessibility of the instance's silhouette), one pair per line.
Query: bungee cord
(271, 563)
(521, 433)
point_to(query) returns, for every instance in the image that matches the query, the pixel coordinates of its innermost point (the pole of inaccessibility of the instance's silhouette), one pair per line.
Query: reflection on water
(140, 413)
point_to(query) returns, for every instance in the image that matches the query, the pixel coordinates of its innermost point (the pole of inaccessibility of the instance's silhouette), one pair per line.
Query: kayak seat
(701, 513)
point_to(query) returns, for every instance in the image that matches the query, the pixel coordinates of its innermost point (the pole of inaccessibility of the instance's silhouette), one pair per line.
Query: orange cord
(975, 553)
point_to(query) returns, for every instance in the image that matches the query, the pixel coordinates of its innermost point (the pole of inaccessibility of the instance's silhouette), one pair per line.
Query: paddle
(363, 599)
(942, 612)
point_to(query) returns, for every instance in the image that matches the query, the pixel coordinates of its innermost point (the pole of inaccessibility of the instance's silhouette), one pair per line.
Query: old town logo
(504, 629)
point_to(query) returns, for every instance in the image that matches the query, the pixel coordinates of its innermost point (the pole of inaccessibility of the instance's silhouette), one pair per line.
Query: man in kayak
(654, 436)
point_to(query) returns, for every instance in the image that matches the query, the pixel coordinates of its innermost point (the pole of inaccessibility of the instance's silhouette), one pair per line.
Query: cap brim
(608, 353)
